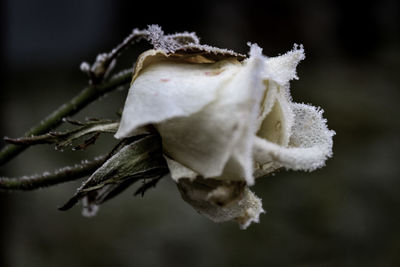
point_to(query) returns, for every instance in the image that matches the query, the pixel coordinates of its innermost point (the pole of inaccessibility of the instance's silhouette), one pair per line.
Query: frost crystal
(170, 43)
(181, 42)
(84, 67)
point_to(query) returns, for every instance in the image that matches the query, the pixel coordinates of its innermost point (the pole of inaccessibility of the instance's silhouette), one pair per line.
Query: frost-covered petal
(282, 69)
(222, 133)
(238, 203)
(165, 89)
(276, 117)
(309, 147)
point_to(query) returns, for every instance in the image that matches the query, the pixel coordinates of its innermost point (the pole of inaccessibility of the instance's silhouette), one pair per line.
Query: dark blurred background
(346, 214)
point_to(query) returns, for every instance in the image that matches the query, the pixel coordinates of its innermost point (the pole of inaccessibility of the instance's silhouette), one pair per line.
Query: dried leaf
(141, 159)
(147, 185)
(92, 128)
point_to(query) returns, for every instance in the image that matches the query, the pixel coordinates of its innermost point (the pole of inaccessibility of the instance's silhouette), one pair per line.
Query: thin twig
(48, 138)
(133, 37)
(63, 139)
(105, 62)
(48, 179)
(85, 97)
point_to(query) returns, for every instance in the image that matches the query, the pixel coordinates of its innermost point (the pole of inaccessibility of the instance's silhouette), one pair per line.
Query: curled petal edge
(310, 143)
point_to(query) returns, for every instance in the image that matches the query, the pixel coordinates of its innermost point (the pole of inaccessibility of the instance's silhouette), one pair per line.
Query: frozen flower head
(224, 120)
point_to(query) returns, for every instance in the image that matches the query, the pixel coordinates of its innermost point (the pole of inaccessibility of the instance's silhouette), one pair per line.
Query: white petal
(282, 69)
(276, 118)
(278, 71)
(268, 100)
(168, 89)
(219, 138)
(202, 142)
(310, 144)
(243, 151)
(276, 125)
(178, 171)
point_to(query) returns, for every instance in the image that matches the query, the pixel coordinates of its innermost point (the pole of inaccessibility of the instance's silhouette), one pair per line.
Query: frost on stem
(84, 67)
(46, 179)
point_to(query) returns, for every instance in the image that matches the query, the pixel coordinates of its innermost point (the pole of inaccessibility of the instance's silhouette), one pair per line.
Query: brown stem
(85, 97)
(48, 179)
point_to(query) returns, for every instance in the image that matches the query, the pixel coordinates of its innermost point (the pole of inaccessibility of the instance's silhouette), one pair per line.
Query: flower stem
(48, 179)
(85, 97)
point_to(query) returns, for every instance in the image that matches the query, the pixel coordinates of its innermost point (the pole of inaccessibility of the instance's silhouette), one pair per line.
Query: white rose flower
(225, 120)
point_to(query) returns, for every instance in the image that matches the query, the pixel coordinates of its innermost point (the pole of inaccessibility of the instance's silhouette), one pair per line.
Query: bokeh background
(346, 214)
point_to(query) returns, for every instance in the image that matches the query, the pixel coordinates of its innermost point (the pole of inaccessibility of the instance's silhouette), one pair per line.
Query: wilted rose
(225, 121)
